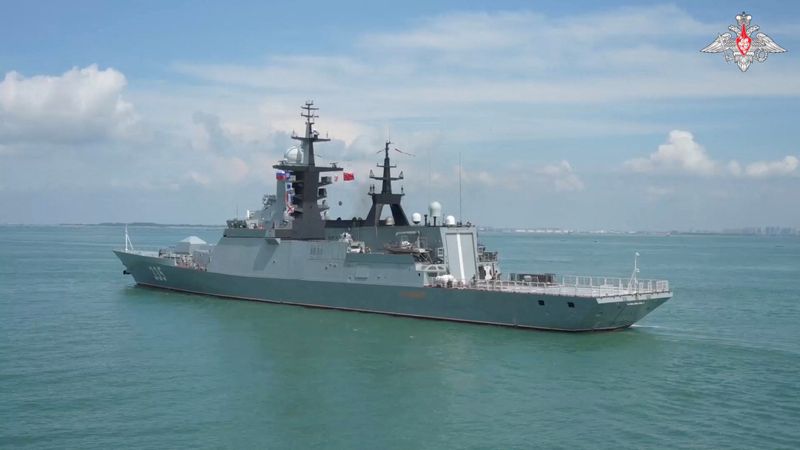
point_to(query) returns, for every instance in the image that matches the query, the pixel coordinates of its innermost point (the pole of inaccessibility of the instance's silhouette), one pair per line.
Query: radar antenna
(308, 112)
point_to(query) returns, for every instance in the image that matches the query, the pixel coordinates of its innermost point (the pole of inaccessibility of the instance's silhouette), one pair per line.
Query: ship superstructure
(376, 231)
(288, 253)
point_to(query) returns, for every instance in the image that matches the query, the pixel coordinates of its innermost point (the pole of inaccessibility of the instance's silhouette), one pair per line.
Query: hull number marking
(157, 273)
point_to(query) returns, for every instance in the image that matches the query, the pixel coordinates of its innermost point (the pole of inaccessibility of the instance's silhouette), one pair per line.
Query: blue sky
(590, 115)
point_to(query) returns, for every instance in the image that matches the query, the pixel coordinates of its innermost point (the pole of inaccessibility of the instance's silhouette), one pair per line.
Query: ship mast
(311, 135)
(308, 190)
(386, 197)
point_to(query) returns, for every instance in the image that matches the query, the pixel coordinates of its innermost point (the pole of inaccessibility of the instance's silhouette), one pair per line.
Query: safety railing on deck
(577, 286)
(143, 251)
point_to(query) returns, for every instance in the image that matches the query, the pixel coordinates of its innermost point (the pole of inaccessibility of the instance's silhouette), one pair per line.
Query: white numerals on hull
(157, 273)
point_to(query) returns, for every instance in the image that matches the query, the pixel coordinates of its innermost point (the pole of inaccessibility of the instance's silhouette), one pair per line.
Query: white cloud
(514, 57)
(457, 32)
(445, 180)
(735, 168)
(231, 170)
(283, 72)
(209, 135)
(78, 106)
(559, 176)
(763, 169)
(505, 30)
(223, 152)
(479, 177)
(682, 154)
(471, 81)
(562, 176)
(655, 192)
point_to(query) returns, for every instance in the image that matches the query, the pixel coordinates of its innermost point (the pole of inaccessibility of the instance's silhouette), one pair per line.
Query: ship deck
(578, 286)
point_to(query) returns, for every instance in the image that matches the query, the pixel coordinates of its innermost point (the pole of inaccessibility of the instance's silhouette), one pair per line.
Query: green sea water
(88, 360)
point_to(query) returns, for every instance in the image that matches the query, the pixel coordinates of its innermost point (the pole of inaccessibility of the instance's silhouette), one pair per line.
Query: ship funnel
(416, 218)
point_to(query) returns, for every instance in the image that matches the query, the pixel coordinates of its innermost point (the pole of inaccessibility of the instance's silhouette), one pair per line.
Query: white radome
(435, 209)
(450, 221)
(293, 155)
(416, 217)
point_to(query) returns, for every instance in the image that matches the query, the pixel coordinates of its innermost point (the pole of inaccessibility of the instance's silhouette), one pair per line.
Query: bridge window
(571, 304)
(541, 302)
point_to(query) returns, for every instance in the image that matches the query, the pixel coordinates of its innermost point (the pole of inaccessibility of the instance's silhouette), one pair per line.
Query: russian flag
(281, 175)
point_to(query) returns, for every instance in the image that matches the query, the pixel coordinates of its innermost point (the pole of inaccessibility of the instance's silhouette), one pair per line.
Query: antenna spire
(460, 216)
(308, 112)
(128, 243)
(311, 135)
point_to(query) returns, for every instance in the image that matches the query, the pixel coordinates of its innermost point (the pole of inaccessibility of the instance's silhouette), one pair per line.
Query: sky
(579, 115)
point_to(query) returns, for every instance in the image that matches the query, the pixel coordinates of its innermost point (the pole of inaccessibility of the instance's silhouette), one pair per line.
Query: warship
(429, 267)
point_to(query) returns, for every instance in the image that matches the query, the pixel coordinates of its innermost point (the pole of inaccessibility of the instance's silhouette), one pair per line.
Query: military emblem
(741, 46)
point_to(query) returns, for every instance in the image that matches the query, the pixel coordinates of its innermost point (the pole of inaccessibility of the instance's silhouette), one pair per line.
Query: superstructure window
(541, 302)
(570, 304)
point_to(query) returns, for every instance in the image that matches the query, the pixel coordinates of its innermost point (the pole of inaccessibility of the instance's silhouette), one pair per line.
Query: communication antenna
(309, 112)
(460, 216)
(128, 243)
(429, 175)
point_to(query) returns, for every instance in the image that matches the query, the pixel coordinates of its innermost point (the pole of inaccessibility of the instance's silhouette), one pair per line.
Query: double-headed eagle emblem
(740, 46)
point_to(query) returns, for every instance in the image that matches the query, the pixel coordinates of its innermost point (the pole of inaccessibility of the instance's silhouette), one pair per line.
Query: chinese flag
(348, 176)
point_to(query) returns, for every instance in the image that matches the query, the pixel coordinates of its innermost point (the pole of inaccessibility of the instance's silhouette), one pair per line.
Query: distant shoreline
(778, 232)
(141, 224)
(114, 224)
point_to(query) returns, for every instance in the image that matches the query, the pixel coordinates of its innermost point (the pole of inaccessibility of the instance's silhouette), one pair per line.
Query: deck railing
(487, 256)
(578, 286)
(144, 251)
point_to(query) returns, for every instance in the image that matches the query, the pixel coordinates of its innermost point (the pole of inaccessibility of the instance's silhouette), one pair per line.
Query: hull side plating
(462, 305)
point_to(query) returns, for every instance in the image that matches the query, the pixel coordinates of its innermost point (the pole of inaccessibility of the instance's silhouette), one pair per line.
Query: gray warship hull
(288, 252)
(513, 309)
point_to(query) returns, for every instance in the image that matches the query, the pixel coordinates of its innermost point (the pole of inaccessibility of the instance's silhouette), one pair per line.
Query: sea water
(89, 360)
